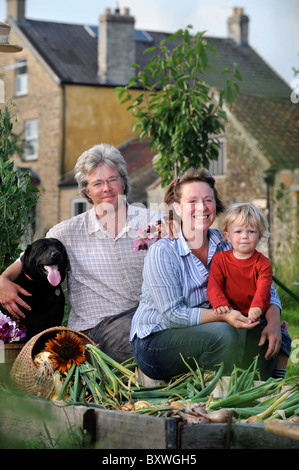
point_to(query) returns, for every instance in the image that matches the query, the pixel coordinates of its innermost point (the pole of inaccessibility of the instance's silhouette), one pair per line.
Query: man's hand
(10, 299)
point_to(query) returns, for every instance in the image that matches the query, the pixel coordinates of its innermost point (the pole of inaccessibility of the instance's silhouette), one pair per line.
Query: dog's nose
(54, 255)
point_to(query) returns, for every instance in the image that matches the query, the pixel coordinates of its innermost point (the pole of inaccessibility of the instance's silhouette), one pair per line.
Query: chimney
(116, 47)
(238, 27)
(15, 9)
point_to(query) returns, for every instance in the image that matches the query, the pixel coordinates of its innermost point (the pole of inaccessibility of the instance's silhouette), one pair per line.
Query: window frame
(78, 200)
(214, 165)
(33, 139)
(21, 79)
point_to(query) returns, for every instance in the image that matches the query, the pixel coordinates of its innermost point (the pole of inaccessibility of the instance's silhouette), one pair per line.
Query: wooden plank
(254, 436)
(113, 429)
(239, 436)
(203, 436)
(124, 430)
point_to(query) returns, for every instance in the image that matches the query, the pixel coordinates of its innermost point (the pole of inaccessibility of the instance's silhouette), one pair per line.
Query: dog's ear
(67, 265)
(25, 254)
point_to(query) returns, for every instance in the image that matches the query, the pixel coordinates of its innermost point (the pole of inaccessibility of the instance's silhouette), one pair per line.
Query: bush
(17, 195)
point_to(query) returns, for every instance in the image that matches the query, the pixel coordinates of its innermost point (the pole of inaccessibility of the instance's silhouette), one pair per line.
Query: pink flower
(11, 330)
(150, 235)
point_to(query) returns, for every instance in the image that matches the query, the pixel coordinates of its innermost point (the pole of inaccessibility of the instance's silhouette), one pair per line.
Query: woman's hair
(102, 154)
(174, 191)
(249, 215)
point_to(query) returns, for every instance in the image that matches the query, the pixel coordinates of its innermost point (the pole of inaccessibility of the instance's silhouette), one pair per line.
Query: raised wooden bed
(126, 430)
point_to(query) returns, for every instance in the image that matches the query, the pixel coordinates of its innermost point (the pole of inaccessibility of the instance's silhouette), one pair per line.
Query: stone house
(63, 85)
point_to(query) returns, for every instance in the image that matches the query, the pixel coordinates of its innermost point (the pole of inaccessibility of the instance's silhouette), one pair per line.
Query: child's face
(244, 238)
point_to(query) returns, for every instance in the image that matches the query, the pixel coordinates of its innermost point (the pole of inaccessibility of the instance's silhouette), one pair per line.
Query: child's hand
(254, 313)
(223, 309)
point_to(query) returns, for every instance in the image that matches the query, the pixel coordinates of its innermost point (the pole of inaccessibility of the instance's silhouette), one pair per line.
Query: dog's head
(45, 260)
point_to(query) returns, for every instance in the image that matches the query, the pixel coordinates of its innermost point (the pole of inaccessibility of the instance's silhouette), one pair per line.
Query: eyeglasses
(99, 184)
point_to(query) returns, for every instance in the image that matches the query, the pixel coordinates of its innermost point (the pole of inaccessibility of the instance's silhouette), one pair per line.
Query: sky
(273, 24)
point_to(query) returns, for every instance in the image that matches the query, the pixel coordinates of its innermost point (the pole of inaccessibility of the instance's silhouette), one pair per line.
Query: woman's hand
(233, 317)
(237, 320)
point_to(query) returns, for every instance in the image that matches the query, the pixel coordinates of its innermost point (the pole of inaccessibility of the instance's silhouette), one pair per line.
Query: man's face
(105, 186)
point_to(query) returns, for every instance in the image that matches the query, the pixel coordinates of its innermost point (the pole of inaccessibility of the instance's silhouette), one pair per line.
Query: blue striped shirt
(174, 288)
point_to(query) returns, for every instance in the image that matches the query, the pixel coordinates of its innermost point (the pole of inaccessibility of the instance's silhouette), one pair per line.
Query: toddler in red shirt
(241, 278)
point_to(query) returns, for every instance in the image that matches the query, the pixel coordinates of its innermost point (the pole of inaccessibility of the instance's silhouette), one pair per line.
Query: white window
(217, 167)
(31, 139)
(21, 78)
(79, 205)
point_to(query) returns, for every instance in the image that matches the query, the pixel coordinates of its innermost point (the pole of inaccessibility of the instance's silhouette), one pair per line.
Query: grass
(291, 315)
(287, 272)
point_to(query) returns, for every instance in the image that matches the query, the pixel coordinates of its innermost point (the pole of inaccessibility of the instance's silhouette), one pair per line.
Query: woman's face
(197, 208)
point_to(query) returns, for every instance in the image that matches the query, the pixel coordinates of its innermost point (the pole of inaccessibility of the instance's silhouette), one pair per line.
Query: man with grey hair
(104, 281)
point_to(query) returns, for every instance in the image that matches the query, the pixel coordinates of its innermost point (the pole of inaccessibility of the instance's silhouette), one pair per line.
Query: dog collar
(30, 278)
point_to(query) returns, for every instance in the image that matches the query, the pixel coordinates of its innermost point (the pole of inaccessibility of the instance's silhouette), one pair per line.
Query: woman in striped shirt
(174, 314)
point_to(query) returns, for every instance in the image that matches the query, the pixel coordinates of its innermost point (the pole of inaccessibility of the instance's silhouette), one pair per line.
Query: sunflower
(65, 349)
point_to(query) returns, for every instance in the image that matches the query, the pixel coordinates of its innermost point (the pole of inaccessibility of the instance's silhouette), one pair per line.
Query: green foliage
(287, 271)
(291, 315)
(17, 195)
(178, 111)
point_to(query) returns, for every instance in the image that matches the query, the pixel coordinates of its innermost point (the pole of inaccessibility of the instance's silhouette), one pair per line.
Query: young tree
(17, 195)
(177, 109)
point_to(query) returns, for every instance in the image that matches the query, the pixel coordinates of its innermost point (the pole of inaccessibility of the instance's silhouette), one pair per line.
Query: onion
(295, 419)
(219, 416)
(254, 419)
(142, 404)
(126, 407)
(42, 357)
(199, 410)
(189, 418)
(58, 383)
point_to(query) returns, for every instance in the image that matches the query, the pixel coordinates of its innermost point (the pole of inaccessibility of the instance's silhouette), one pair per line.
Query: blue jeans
(158, 355)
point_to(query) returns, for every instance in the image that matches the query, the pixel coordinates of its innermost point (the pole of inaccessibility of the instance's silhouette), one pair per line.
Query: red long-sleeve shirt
(240, 283)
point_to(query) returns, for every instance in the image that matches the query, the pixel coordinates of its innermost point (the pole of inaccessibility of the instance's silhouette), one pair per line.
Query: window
(31, 139)
(217, 167)
(21, 78)
(79, 205)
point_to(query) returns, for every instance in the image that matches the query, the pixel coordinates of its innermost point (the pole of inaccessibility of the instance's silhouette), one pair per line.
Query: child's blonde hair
(249, 215)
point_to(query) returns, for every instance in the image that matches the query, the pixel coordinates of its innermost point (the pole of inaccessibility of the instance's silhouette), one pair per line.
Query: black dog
(44, 267)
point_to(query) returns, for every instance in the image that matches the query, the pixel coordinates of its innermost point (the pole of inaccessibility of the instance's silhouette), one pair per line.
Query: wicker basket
(24, 372)
(11, 352)
(8, 354)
